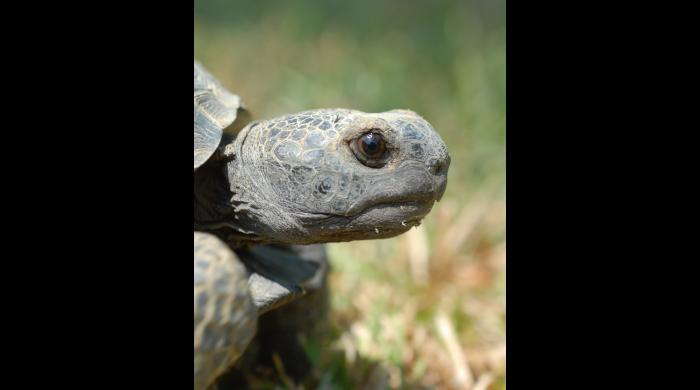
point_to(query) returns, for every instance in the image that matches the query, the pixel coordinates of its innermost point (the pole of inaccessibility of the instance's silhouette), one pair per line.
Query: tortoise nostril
(439, 167)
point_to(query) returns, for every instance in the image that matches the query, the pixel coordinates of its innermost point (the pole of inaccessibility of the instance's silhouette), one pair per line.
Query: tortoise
(266, 190)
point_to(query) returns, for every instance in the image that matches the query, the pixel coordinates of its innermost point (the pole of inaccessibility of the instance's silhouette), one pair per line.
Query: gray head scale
(334, 175)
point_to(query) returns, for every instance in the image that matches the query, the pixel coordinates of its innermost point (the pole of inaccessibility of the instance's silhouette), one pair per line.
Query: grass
(426, 309)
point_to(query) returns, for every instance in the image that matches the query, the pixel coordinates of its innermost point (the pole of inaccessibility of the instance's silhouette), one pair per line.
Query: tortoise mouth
(412, 211)
(381, 220)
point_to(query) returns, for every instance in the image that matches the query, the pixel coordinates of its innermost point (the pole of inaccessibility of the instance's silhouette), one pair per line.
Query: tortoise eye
(372, 145)
(371, 149)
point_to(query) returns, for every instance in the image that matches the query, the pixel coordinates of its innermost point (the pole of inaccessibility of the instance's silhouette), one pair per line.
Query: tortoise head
(335, 175)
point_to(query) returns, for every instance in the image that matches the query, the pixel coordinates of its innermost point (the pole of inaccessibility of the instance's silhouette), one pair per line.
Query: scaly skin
(297, 179)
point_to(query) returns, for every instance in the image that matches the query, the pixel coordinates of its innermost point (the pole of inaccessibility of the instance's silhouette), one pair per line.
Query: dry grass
(425, 310)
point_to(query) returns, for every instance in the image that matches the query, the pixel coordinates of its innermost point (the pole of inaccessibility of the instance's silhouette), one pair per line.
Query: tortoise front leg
(279, 329)
(225, 318)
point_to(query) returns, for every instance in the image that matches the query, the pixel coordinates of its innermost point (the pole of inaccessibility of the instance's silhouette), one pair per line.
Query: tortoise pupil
(372, 145)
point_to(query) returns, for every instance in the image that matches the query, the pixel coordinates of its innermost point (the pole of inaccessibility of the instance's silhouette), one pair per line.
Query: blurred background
(425, 309)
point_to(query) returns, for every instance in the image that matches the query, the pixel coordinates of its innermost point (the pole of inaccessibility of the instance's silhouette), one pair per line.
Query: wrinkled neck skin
(301, 179)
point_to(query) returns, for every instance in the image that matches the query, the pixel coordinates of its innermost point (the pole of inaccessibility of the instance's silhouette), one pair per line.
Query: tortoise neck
(214, 209)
